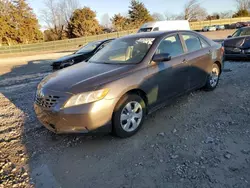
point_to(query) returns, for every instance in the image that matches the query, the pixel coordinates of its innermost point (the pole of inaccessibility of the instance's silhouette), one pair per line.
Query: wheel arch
(136, 91)
(219, 64)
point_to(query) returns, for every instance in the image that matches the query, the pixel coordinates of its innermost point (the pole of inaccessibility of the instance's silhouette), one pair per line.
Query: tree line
(78, 22)
(18, 23)
(67, 19)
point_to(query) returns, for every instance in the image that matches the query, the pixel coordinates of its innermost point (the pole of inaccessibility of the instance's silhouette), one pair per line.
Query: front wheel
(128, 116)
(213, 78)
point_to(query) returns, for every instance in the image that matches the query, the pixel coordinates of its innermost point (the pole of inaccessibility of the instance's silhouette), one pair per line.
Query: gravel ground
(200, 140)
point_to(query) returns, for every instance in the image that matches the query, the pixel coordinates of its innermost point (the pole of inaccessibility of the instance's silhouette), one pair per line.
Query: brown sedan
(130, 78)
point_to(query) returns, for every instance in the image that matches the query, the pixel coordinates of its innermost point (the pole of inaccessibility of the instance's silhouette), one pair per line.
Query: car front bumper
(85, 118)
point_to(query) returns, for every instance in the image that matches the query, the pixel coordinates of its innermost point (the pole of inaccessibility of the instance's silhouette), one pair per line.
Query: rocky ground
(200, 140)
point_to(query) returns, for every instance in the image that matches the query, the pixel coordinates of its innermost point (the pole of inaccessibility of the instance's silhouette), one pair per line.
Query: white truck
(165, 26)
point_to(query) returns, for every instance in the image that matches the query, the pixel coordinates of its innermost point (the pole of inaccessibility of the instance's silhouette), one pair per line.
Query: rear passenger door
(199, 57)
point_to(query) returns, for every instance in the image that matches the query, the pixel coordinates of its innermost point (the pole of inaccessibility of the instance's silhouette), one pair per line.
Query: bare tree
(157, 16)
(56, 15)
(226, 14)
(243, 4)
(67, 7)
(194, 11)
(105, 21)
(169, 16)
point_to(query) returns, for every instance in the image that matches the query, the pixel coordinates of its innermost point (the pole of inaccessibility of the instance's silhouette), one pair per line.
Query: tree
(193, 11)
(52, 17)
(138, 14)
(105, 21)
(169, 16)
(214, 16)
(241, 13)
(83, 22)
(226, 14)
(67, 7)
(243, 7)
(25, 22)
(120, 23)
(6, 29)
(18, 23)
(243, 4)
(158, 16)
(49, 35)
(56, 15)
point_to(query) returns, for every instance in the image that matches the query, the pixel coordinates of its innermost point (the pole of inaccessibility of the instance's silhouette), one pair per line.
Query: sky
(160, 6)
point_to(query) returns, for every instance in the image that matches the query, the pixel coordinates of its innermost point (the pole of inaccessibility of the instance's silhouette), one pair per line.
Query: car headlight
(87, 97)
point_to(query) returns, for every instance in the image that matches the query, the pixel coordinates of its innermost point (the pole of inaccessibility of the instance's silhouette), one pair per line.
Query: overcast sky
(161, 6)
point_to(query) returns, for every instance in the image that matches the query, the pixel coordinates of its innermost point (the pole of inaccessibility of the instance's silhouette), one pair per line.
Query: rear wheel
(213, 78)
(128, 116)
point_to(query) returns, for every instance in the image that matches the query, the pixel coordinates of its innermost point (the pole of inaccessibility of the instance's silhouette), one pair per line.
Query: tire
(132, 121)
(213, 78)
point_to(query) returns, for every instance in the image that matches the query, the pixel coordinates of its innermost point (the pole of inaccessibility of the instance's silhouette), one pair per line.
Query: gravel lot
(200, 140)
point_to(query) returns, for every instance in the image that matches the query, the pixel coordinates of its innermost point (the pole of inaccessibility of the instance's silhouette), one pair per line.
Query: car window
(145, 30)
(245, 32)
(237, 33)
(204, 44)
(89, 47)
(156, 29)
(192, 42)
(171, 45)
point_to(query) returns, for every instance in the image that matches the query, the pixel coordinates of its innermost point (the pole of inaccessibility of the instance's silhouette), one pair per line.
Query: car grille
(46, 101)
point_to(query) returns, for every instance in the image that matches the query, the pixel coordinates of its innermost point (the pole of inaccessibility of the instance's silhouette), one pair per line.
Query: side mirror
(161, 57)
(229, 36)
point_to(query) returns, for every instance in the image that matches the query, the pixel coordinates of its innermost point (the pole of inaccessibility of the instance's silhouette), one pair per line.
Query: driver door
(170, 77)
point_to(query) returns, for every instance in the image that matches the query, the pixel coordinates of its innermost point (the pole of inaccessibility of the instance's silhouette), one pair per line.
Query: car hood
(69, 57)
(83, 77)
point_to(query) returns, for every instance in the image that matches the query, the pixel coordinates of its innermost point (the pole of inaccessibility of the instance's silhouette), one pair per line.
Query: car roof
(154, 34)
(105, 40)
(247, 27)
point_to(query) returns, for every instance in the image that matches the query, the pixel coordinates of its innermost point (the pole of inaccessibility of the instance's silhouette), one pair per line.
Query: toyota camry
(128, 79)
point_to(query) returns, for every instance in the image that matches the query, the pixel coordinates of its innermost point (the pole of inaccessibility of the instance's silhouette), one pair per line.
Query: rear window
(156, 29)
(204, 43)
(192, 42)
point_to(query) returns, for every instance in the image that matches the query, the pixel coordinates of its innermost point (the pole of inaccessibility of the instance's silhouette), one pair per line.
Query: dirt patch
(218, 34)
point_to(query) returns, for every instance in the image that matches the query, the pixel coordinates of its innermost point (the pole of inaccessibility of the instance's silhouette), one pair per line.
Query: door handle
(209, 52)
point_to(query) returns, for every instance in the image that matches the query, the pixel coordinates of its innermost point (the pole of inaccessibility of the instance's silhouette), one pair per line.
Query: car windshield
(245, 32)
(237, 33)
(89, 47)
(123, 51)
(145, 30)
(241, 32)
